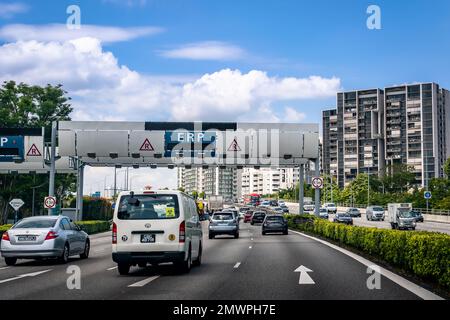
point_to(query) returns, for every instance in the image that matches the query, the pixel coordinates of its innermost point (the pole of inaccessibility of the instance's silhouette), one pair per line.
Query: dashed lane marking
(237, 265)
(143, 282)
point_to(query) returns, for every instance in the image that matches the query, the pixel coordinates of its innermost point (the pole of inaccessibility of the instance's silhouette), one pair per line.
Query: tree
(447, 168)
(397, 177)
(194, 194)
(202, 195)
(25, 106)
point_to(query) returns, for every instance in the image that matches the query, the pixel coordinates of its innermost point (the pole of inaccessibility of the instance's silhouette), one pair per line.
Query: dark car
(417, 215)
(248, 216)
(258, 217)
(273, 203)
(285, 208)
(343, 218)
(274, 223)
(354, 212)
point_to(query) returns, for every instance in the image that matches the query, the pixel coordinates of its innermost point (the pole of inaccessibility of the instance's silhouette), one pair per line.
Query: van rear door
(148, 222)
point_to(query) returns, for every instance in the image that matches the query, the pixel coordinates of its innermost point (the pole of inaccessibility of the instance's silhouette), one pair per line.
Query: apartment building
(373, 128)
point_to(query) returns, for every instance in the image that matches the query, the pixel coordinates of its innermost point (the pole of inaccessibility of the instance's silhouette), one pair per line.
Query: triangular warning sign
(33, 152)
(234, 146)
(146, 146)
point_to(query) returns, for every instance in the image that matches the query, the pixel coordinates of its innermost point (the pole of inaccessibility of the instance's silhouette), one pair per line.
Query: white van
(155, 227)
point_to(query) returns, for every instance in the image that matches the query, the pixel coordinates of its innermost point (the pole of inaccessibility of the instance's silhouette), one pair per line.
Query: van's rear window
(148, 207)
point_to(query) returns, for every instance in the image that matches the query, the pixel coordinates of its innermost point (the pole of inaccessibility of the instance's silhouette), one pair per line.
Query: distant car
(223, 223)
(323, 213)
(375, 213)
(354, 212)
(343, 218)
(308, 206)
(331, 207)
(417, 216)
(285, 208)
(273, 203)
(281, 203)
(248, 216)
(278, 210)
(274, 223)
(265, 204)
(44, 237)
(244, 209)
(258, 217)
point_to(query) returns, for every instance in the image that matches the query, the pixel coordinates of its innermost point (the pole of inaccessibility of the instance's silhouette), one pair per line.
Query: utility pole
(368, 187)
(115, 182)
(51, 185)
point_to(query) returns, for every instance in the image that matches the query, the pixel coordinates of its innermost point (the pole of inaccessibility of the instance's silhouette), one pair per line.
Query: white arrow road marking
(112, 268)
(237, 265)
(143, 282)
(304, 276)
(34, 274)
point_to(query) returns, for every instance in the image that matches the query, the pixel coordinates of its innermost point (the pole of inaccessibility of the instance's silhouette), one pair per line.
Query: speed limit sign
(317, 183)
(50, 202)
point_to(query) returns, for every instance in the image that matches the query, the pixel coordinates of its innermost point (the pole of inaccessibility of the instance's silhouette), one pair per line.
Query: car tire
(252, 223)
(198, 261)
(64, 258)
(10, 261)
(236, 235)
(87, 248)
(263, 233)
(210, 236)
(185, 265)
(123, 268)
(286, 233)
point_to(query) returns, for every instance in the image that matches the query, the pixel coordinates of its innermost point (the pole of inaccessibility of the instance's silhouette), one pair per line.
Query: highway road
(363, 222)
(252, 267)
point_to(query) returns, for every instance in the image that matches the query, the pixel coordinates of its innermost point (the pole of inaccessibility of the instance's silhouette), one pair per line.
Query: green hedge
(4, 228)
(425, 254)
(91, 227)
(95, 208)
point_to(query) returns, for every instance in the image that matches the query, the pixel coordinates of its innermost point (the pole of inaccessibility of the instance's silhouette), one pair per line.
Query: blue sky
(243, 60)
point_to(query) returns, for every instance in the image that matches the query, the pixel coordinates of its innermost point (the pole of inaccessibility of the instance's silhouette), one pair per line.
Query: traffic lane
(53, 284)
(219, 258)
(268, 273)
(420, 226)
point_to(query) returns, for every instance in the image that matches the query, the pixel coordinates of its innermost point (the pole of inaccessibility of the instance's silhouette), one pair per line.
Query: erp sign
(11, 148)
(189, 143)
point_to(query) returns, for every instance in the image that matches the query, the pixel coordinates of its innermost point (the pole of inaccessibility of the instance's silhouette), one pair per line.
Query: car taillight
(5, 236)
(182, 232)
(114, 233)
(51, 235)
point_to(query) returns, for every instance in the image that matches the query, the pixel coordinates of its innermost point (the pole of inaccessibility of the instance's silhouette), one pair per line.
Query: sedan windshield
(378, 209)
(275, 219)
(35, 224)
(223, 216)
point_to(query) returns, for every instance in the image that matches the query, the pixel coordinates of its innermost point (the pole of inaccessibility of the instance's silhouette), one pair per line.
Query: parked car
(44, 237)
(274, 223)
(343, 218)
(375, 213)
(417, 216)
(354, 212)
(248, 216)
(156, 227)
(258, 217)
(223, 223)
(331, 207)
(281, 203)
(323, 213)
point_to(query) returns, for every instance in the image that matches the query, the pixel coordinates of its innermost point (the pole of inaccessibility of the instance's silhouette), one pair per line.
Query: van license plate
(147, 238)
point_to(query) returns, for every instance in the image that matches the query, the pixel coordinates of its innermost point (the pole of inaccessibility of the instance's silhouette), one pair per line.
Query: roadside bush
(91, 227)
(4, 228)
(95, 208)
(425, 254)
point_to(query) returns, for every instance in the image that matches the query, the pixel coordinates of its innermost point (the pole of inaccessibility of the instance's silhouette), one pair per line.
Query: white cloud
(208, 50)
(60, 32)
(8, 10)
(102, 89)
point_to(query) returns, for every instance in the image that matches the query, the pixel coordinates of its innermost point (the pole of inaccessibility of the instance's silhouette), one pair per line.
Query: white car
(331, 207)
(155, 227)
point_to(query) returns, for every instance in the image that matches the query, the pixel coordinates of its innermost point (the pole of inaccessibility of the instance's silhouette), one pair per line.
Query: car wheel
(210, 236)
(10, 261)
(87, 248)
(185, 265)
(285, 232)
(198, 261)
(65, 255)
(124, 268)
(236, 235)
(252, 223)
(263, 233)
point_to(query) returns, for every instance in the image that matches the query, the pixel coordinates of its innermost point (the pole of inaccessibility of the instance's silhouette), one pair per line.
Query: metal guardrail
(437, 212)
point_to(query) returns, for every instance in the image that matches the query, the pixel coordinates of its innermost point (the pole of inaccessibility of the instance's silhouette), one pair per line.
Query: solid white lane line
(3, 268)
(112, 268)
(143, 282)
(406, 284)
(237, 265)
(33, 274)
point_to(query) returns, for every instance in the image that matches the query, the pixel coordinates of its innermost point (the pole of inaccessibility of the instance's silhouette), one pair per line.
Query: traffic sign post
(427, 195)
(16, 204)
(49, 202)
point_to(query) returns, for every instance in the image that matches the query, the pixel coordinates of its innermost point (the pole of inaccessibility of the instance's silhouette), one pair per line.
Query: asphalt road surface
(251, 267)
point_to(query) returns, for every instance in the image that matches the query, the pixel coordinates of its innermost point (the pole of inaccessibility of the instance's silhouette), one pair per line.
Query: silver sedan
(44, 237)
